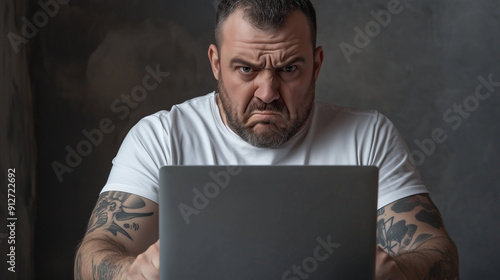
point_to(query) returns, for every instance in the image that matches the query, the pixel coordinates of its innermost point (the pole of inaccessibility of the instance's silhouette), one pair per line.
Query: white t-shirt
(193, 133)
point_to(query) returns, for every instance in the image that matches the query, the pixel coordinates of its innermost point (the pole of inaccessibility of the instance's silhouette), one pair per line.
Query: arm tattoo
(427, 215)
(113, 210)
(421, 239)
(78, 267)
(381, 211)
(445, 268)
(393, 237)
(105, 270)
(396, 236)
(406, 204)
(430, 217)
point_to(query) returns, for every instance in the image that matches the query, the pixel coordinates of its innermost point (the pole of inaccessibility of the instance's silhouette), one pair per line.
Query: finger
(156, 255)
(153, 259)
(146, 265)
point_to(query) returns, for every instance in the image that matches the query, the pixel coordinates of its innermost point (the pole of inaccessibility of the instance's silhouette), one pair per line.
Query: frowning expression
(266, 78)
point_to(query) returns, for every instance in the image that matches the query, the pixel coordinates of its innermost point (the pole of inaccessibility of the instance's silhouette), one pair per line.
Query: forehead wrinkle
(262, 54)
(240, 28)
(269, 42)
(266, 48)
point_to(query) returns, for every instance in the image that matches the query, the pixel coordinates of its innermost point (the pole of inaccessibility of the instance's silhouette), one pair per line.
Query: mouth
(264, 117)
(265, 113)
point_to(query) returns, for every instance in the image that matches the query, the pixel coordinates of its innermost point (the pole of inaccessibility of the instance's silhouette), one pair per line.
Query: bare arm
(414, 241)
(122, 226)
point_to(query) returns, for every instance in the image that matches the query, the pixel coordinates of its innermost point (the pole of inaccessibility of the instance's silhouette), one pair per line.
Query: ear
(318, 61)
(213, 55)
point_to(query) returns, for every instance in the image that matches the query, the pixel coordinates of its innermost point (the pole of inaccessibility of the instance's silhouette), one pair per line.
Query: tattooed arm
(413, 243)
(120, 238)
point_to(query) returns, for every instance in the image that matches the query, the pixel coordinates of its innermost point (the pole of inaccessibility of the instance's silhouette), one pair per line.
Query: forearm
(411, 232)
(437, 258)
(99, 258)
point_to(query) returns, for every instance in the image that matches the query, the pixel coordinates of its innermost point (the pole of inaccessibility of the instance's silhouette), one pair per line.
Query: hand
(386, 268)
(146, 265)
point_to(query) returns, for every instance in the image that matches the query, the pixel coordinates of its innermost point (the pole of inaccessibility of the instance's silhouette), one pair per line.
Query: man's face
(266, 78)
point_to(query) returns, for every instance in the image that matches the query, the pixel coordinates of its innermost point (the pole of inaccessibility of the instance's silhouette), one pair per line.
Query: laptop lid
(268, 222)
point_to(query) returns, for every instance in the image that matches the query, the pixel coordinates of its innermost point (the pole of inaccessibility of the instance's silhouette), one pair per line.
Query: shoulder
(197, 104)
(341, 111)
(351, 117)
(180, 112)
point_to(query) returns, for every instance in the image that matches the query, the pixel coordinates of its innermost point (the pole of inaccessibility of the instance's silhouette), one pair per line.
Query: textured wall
(418, 68)
(17, 149)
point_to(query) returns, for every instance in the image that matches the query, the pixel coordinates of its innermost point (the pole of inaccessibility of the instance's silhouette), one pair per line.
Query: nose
(267, 86)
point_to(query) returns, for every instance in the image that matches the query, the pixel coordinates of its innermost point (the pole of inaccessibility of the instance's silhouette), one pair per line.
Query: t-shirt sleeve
(398, 175)
(136, 166)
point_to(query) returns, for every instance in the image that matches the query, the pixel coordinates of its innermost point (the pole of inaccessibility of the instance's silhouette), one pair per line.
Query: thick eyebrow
(295, 60)
(241, 61)
(237, 60)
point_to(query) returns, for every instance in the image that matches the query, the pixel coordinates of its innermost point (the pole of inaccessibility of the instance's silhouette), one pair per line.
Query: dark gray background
(427, 59)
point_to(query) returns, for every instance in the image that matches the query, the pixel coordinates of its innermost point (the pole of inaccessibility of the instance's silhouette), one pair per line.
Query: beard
(275, 132)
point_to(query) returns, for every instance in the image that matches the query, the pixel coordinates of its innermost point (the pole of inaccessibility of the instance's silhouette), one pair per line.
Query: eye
(289, 69)
(245, 69)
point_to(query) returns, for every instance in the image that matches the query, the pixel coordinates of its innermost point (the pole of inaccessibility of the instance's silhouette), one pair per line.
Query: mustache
(274, 106)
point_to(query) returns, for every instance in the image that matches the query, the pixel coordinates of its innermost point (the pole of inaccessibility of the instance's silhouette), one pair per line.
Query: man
(266, 62)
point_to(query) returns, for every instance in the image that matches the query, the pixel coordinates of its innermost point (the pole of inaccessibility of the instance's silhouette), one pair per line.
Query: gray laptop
(267, 222)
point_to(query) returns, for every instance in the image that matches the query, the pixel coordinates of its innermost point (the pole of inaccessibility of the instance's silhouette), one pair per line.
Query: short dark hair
(265, 14)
